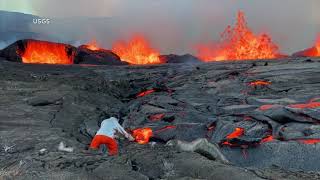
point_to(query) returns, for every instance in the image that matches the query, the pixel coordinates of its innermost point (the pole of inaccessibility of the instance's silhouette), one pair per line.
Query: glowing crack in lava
(310, 105)
(137, 51)
(236, 133)
(145, 93)
(156, 117)
(309, 141)
(142, 135)
(41, 52)
(239, 43)
(269, 138)
(260, 83)
(93, 45)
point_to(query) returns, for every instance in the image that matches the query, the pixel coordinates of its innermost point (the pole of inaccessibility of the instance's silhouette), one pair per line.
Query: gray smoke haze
(175, 26)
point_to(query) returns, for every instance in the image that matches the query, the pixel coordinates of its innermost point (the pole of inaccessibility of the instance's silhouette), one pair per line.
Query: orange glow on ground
(142, 135)
(137, 51)
(239, 43)
(41, 52)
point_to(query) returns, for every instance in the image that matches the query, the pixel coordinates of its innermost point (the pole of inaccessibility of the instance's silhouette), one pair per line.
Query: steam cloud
(175, 26)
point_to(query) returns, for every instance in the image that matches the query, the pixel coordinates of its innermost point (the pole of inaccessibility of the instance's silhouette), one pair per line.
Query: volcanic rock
(43, 105)
(97, 57)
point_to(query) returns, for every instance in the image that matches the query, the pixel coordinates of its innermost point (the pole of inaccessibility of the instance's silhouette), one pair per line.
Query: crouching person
(106, 136)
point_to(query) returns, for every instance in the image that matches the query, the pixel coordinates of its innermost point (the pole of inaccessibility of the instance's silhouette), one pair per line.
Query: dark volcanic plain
(43, 105)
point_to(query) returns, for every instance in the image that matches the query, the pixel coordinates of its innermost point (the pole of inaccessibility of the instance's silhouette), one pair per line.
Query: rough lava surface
(43, 105)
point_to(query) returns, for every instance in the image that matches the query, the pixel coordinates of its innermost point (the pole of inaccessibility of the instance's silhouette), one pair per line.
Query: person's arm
(124, 132)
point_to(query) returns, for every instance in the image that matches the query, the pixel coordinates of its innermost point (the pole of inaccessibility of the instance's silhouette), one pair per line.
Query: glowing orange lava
(268, 106)
(240, 43)
(318, 45)
(42, 52)
(142, 135)
(236, 133)
(311, 52)
(309, 141)
(267, 139)
(145, 93)
(93, 45)
(137, 51)
(156, 117)
(260, 83)
(310, 105)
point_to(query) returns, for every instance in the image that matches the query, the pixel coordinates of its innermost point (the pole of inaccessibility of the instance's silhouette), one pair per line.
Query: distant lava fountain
(239, 43)
(42, 52)
(310, 52)
(137, 51)
(318, 46)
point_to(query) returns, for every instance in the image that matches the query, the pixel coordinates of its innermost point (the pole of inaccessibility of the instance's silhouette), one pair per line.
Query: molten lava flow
(239, 43)
(42, 52)
(259, 83)
(267, 139)
(309, 141)
(310, 105)
(236, 133)
(268, 106)
(145, 93)
(137, 51)
(93, 45)
(142, 135)
(156, 117)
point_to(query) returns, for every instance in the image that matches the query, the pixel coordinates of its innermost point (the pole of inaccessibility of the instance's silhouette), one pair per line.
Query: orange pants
(108, 141)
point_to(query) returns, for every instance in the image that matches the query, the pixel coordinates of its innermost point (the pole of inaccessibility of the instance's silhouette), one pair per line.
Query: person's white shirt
(110, 126)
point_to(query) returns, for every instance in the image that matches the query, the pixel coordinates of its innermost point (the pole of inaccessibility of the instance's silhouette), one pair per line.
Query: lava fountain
(310, 52)
(42, 52)
(137, 51)
(239, 43)
(318, 45)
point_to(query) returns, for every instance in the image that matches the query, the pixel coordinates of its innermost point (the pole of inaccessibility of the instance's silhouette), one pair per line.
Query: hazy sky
(177, 24)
